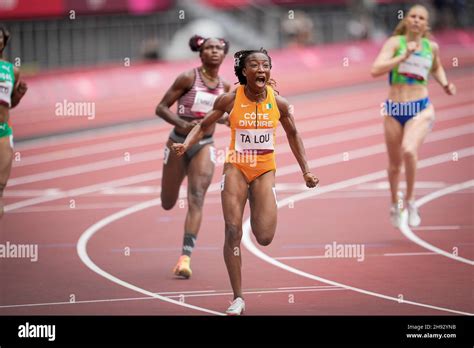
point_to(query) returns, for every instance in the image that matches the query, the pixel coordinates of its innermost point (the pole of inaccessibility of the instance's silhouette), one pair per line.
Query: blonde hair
(401, 28)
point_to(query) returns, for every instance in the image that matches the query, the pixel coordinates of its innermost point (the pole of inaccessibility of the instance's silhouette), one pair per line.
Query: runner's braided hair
(240, 58)
(6, 36)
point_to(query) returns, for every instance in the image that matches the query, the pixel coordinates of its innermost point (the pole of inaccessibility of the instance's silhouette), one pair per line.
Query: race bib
(416, 67)
(203, 102)
(6, 91)
(254, 139)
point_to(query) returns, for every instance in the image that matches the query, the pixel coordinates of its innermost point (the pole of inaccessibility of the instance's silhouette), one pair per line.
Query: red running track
(90, 201)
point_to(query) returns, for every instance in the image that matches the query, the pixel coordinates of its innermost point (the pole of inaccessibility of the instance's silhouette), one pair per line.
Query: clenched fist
(311, 179)
(179, 149)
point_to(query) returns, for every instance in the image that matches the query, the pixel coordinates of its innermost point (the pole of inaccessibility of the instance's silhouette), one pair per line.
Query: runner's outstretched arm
(19, 90)
(295, 141)
(439, 73)
(200, 129)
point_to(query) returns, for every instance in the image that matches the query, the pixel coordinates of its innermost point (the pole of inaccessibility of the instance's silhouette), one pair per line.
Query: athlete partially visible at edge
(11, 92)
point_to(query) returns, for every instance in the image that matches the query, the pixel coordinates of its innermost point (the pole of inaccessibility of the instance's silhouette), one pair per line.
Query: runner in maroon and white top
(195, 91)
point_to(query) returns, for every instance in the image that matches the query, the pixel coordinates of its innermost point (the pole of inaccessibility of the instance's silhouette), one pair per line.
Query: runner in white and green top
(7, 81)
(409, 57)
(11, 92)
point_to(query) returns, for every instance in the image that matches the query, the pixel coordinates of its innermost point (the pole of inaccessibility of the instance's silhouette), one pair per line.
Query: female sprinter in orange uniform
(249, 172)
(195, 91)
(11, 92)
(408, 56)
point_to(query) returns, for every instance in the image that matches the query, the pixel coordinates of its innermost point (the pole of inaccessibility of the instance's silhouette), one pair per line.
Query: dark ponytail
(197, 42)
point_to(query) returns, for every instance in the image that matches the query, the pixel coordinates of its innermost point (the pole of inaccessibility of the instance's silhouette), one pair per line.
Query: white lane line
(88, 167)
(302, 287)
(345, 194)
(447, 157)
(379, 186)
(312, 142)
(144, 126)
(84, 190)
(121, 191)
(85, 237)
(247, 241)
(439, 228)
(444, 134)
(350, 118)
(383, 185)
(82, 252)
(32, 192)
(320, 123)
(189, 292)
(374, 190)
(405, 229)
(158, 138)
(312, 257)
(445, 191)
(87, 150)
(136, 190)
(104, 206)
(301, 257)
(355, 117)
(85, 257)
(154, 175)
(158, 154)
(78, 206)
(409, 254)
(91, 134)
(352, 134)
(263, 292)
(184, 294)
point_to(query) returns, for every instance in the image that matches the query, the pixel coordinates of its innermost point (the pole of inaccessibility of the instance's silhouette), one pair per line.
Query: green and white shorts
(6, 131)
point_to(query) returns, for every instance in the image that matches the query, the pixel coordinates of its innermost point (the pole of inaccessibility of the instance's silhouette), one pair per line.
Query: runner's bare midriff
(4, 114)
(185, 131)
(405, 93)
